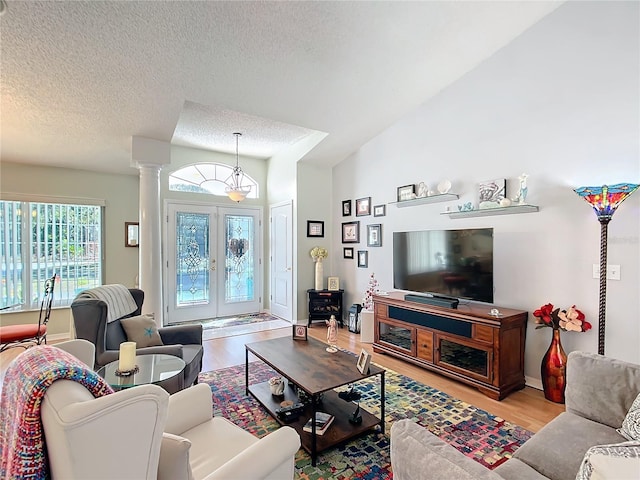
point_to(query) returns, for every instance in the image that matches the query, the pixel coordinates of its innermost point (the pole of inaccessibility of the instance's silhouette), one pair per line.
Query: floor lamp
(605, 200)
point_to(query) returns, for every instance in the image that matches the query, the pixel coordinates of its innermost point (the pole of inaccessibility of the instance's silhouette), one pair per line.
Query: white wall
(121, 195)
(559, 103)
(314, 193)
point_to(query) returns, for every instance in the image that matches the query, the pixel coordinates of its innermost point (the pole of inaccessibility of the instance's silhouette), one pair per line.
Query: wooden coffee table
(308, 366)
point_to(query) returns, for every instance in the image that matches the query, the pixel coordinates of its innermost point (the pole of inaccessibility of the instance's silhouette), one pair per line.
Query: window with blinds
(38, 240)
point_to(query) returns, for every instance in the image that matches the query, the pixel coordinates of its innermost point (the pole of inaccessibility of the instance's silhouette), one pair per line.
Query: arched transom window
(208, 178)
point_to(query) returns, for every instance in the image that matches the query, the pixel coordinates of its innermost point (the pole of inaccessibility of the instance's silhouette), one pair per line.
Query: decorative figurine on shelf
(522, 193)
(332, 334)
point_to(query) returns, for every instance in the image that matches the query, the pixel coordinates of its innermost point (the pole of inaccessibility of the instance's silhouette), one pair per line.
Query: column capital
(149, 152)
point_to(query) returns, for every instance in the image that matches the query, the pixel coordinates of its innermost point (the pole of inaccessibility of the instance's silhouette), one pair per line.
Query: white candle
(127, 356)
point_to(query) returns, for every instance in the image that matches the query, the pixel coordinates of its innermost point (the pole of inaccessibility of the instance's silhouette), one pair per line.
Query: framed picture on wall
(351, 232)
(374, 235)
(379, 210)
(406, 192)
(363, 206)
(363, 258)
(131, 233)
(347, 252)
(315, 228)
(346, 208)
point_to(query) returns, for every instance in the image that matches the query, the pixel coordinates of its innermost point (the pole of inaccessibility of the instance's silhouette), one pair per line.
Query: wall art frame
(406, 192)
(333, 284)
(315, 228)
(351, 232)
(346, 208)
(379, 210)
(374, 235)
(363, 206)
(131, 234)
(363, 259)
(347, 252)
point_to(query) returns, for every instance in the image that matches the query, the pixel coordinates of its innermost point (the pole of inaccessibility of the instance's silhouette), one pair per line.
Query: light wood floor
(527, 408)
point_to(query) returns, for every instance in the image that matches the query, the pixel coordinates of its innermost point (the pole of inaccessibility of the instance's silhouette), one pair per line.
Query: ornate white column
(149, 156)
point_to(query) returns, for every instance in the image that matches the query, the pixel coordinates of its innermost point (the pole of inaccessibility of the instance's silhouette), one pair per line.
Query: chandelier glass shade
(235, 189)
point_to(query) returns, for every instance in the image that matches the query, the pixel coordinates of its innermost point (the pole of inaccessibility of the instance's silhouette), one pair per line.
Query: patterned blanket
(22, 442)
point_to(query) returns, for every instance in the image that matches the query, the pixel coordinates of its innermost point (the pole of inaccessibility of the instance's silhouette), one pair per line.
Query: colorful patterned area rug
(484, 437)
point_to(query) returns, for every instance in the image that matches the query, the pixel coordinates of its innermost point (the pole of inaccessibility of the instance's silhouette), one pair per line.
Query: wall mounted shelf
(442, 197)
(485, 212)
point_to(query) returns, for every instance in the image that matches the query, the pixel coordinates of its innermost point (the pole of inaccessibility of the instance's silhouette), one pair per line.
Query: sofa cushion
(557, 450)
(600, 388)
(631, 424)
(514, 469)
(142, 329)
(418, 454)
(620, 462)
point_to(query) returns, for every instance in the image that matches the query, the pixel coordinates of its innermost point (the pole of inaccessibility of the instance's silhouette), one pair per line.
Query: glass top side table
(164, 370)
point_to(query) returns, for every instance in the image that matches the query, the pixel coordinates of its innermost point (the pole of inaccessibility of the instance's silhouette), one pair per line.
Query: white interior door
(281, 239)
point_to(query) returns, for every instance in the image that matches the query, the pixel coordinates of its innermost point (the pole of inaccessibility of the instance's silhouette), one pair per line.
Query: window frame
(31, 293)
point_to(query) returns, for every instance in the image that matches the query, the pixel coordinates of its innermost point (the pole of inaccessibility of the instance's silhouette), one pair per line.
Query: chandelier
(234, 189)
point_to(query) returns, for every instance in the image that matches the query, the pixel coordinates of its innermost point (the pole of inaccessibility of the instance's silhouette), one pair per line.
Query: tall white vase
(319, 275)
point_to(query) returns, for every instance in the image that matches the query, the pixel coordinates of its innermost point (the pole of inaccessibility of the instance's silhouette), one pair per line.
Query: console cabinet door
(424, 345)
(396, 336)
(466, 357)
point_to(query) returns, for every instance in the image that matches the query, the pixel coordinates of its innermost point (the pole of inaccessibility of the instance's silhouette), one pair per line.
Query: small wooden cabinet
(324, 303)
(467, 343)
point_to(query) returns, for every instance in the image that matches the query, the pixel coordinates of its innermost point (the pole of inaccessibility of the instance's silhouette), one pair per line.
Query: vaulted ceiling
(80, 78)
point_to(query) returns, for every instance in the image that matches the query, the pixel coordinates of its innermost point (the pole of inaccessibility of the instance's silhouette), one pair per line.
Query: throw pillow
(620, 461)
(631, 425)
(142, 329)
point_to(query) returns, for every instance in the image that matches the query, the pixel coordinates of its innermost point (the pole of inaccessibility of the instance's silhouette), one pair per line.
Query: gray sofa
(599, 393)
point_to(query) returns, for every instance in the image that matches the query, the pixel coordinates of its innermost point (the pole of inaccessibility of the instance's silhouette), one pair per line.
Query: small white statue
(332, 334)
(522, 193)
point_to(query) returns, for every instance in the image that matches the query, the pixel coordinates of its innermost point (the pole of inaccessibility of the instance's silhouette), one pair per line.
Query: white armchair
(199, 446)
(143, 433)
(115, 436)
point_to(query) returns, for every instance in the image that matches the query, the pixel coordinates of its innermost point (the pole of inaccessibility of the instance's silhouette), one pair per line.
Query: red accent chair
(30, 334)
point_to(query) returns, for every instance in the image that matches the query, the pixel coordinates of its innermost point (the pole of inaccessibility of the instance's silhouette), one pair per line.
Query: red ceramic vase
(554, 370)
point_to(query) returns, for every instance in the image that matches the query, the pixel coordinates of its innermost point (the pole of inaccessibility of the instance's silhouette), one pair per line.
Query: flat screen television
(449, 263)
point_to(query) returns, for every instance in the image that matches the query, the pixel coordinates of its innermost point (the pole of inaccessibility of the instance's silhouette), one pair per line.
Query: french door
(213, 262)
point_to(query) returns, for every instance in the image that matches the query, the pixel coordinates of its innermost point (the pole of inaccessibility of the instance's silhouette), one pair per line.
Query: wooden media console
(468, 343)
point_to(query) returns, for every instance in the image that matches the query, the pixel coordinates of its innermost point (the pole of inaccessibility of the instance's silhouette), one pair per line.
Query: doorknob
(213, 265)
(288, 269)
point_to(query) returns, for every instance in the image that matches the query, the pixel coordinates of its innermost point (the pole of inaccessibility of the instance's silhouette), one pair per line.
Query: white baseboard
(58, 337)
(533, 382)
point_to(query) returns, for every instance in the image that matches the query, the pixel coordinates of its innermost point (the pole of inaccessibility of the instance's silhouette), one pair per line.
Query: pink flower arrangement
(570, 320)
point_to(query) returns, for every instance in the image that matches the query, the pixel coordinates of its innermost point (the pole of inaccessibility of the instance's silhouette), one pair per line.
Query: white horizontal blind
(62, 239)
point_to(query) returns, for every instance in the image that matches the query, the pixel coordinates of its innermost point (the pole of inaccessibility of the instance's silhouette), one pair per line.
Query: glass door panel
(191, 263)
(397, 337)
(192, 259)
(240, 279)
(239, 271)
(470, 360)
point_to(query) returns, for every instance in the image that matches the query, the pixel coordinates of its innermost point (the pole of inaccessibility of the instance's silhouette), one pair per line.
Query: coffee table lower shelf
(339, 431)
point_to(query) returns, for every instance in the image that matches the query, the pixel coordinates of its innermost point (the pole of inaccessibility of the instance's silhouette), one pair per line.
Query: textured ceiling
(80, 78)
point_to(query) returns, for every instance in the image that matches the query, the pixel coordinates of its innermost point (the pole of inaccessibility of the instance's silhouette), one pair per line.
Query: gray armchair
(90, 321)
